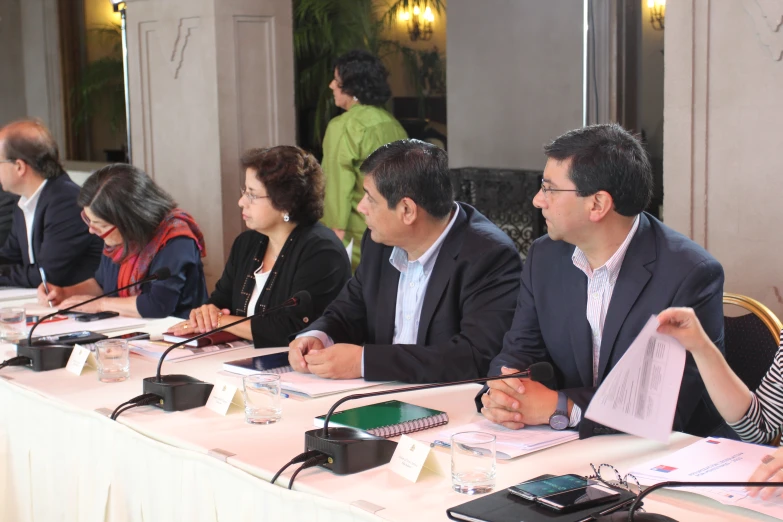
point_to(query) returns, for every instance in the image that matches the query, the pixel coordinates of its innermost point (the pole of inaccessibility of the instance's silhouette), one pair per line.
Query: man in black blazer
(434, 291)
(47, 231)
(591, 284)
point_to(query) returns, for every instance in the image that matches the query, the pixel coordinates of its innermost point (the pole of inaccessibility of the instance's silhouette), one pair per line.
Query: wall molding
(767, 18)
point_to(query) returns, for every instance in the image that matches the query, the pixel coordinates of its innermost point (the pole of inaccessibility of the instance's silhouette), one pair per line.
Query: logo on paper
(664, 469)
(713, 441)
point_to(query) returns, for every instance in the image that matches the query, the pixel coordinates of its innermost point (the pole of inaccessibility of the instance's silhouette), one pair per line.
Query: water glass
(472, 462)
(13, 324)
(261, 393)
(113, 358)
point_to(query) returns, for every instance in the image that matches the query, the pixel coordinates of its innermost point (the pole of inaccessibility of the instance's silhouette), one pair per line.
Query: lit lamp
(657, 10)
(120, 6)
(419, 24)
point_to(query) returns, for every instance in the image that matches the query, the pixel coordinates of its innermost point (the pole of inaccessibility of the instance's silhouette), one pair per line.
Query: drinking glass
(13, 324)
(472, 462)
(261, 393)
(113, 358)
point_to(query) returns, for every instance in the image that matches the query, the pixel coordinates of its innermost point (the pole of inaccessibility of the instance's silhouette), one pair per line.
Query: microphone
(630, 515)
(47, 355)
(351, 450)
(182, 392)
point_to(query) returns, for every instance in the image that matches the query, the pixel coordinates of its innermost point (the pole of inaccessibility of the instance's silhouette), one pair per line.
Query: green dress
(350, 138)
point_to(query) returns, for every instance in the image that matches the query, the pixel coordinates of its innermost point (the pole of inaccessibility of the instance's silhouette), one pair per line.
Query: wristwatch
(559, 419)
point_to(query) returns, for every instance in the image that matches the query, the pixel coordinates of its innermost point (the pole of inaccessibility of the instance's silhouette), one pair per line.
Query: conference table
(63, 459)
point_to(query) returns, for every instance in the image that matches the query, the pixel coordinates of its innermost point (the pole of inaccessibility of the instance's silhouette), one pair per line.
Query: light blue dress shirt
(411, 289)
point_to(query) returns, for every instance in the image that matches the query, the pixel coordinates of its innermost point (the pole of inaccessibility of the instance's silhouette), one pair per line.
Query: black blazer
(62, 245)
(661, 268)
(467, 308)
(312, 259)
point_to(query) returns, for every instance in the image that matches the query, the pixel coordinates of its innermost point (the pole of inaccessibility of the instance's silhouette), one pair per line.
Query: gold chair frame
(758, 309)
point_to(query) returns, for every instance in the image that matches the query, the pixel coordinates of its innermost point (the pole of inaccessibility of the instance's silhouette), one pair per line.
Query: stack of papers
(154, 349)
(314, 386)
(709, 460)
(509, 443)
(71, 325)
(12, 294)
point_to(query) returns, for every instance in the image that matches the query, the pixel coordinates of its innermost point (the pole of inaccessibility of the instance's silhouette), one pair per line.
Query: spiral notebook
(387, 419)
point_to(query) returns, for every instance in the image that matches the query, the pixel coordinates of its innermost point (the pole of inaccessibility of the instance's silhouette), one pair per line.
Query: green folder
(387, 419)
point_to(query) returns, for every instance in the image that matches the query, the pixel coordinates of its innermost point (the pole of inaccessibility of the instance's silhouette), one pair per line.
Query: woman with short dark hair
(285, 251)
(360, 88)
(143, 231)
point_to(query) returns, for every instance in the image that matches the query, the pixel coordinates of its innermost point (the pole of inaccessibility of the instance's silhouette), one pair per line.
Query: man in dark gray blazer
(591, 284)
(434, 291)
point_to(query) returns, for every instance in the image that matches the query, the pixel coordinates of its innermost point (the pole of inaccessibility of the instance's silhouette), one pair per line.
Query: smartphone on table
(87, 318)
(548, 486)
(132, 336)
(580, 498)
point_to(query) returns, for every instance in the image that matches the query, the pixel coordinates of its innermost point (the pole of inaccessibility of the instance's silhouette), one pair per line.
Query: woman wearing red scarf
(143, 231)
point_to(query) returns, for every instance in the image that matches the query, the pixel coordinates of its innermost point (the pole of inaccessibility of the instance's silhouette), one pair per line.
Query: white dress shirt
(261, 278)
(28, 210)
(600, 286)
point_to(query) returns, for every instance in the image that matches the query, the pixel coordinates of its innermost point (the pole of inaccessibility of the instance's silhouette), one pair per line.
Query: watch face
(558, 421)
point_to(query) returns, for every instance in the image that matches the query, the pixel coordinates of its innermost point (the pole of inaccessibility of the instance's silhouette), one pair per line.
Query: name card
(409, 458)
(80, 357)
(223, 396)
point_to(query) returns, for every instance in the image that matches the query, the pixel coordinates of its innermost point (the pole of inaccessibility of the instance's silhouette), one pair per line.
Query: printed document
(509, 443)
(713, 459)
(639, 396)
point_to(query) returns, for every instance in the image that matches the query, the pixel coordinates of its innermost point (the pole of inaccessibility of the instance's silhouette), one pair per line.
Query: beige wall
(723, 135)
(209, 79)
(514, 74)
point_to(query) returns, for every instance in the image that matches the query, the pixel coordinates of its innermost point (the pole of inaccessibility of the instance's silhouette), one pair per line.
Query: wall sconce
(419, 23)
(118, 5)
(657, 10)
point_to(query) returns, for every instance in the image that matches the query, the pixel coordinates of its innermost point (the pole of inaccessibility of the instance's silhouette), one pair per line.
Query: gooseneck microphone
(351, 450)
(47, 355)
(182, 392)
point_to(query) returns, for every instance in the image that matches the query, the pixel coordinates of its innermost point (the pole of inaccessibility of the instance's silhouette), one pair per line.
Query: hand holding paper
(639, 396)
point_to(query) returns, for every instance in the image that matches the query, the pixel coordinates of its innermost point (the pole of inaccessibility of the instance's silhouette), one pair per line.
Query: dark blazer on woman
(313, 259)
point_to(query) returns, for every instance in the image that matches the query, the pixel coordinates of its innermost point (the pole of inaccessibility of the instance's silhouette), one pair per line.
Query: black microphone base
(45, 357)
(179, 392)
(350, 450)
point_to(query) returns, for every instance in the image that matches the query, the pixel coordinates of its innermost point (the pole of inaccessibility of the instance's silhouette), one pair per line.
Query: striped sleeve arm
(764, 419)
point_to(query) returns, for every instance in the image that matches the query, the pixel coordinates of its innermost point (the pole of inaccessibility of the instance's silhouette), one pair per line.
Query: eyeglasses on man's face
(250, 197)
(546, 190)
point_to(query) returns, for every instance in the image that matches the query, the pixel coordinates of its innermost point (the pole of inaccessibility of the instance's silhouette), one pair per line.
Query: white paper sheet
(639, 396)
(713, 459)
(12, 294)
(103, 326)
(154, 349)
(509, 443)
(315, 386)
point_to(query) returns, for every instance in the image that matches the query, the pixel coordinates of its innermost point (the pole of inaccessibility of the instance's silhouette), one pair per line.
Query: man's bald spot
(31, 131)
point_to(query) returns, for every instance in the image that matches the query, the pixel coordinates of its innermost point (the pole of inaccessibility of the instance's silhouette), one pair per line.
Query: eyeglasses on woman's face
(251, 198)
(101, 230)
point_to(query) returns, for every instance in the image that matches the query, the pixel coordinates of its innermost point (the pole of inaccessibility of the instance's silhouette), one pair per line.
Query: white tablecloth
(62, 460)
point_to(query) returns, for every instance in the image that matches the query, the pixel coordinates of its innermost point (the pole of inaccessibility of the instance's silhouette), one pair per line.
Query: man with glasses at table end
(47, 231)
(592, 283)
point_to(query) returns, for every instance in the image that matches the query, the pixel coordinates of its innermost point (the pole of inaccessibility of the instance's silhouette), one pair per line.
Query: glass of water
(261, 393)
(472, 462)
(113, 358)
(13, 324)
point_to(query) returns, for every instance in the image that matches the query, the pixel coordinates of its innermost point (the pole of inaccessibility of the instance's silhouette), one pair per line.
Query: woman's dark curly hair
(363, 75)
(293, 179)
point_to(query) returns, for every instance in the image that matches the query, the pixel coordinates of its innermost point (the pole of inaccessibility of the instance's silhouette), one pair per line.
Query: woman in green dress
(360, 88)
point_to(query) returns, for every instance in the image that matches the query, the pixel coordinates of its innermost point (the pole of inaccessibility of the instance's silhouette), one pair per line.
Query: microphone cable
(296, 460)
(19, 360)
(141, 400)
(309, 463)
